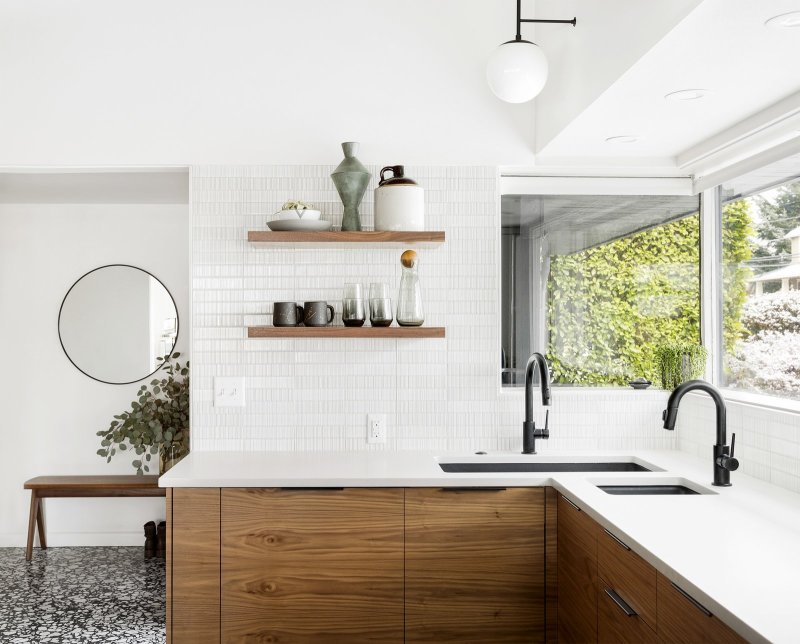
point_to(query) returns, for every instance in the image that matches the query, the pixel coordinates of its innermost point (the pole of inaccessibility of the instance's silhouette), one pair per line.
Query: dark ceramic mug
(286, 314)
(317, 314)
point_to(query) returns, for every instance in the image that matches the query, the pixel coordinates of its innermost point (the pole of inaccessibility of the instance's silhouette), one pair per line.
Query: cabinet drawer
(618, 623)
(682, 619)
(628, 574)
(574, 521)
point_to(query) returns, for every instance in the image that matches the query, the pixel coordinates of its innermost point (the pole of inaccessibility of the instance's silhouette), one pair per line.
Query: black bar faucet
(537, 363)
(724, 462)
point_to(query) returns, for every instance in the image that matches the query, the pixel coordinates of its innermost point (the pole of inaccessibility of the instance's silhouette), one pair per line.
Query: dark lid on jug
(398, 177)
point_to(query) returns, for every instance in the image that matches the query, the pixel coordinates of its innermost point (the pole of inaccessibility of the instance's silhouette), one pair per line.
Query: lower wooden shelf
(346, 332)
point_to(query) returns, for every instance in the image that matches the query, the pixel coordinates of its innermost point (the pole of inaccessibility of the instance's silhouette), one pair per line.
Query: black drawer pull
(571, 503)
(621, 603)
(617, 539)
(311, 489)
(473, 488)
(692, 600)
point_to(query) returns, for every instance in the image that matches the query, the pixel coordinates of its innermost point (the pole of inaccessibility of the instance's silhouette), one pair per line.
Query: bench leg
(32, 524)
(40, 524)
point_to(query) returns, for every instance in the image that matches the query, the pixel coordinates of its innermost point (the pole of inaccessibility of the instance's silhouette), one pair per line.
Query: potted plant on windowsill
(677, 363)
(157, 422)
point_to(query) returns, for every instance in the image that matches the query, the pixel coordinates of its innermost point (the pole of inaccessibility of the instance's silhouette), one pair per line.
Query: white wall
(249, 81)
(315, 394)
(51, 411)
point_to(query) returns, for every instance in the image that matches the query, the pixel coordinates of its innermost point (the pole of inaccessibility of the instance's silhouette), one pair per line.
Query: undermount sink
(476, 467)
(647, 489)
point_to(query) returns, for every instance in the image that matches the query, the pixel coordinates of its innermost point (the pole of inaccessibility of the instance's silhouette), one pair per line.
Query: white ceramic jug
(399, 202)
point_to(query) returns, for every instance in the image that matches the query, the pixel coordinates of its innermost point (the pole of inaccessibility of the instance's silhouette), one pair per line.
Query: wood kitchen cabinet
(682, 619)
(627, 593)
(475, 565)
(577, 574)
(306, 565)
(193, 566)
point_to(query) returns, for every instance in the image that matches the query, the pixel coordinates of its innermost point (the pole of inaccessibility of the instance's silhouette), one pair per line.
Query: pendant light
(517, 69)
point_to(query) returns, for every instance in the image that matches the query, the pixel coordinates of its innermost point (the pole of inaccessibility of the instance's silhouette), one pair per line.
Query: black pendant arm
(520, 20)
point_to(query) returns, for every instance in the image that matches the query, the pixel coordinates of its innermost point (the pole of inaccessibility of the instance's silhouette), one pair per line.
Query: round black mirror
(117, 323)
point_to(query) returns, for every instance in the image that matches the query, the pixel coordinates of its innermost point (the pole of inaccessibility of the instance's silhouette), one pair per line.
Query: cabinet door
(682, 619)
(312, 565)
(475, 565)
(577, 574)
(618, 623)
(193, 589)
(627, 574)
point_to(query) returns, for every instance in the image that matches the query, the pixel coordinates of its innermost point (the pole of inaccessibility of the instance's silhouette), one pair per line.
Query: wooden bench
(43, 487)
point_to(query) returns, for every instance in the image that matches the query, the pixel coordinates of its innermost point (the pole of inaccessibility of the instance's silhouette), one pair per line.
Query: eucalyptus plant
(680, 362)
(157, 420)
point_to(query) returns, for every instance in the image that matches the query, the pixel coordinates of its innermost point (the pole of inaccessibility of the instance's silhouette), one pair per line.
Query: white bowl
(306, 215)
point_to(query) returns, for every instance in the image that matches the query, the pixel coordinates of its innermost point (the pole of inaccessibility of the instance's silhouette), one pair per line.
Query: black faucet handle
(727, 461)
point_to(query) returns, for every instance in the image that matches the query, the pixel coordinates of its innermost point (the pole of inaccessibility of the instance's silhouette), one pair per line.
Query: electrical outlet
(376, 428)
(229, 392)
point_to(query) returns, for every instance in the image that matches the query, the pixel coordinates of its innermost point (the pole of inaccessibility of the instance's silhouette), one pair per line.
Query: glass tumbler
(352, 292)
(353, 305)
(380, 305)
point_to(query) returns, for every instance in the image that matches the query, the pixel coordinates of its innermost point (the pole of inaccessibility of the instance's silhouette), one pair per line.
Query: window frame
(711, 323)
(611, 185)
(711, 305)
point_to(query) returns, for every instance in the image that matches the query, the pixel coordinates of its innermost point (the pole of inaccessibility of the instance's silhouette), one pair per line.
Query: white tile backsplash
(767, 440)
(315, 394)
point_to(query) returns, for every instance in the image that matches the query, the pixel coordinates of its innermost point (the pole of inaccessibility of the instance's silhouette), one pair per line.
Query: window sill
(761, 400)
(561, 390)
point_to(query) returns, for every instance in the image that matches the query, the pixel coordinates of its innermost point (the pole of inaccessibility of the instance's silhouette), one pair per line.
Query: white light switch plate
(229, 392)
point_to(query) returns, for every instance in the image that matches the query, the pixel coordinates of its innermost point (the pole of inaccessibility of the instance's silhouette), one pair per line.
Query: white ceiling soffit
(722, 46)
(103, 186)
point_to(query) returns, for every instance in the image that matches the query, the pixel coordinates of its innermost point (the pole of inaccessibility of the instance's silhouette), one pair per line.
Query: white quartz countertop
(736, 549)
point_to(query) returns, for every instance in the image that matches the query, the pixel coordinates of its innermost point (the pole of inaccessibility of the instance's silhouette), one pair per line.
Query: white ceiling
(722, 46)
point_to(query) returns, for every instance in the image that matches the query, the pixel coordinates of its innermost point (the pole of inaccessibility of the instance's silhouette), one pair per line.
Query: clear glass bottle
(409, 300)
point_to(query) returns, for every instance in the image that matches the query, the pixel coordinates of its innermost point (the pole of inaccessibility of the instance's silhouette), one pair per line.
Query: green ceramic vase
(351, 179)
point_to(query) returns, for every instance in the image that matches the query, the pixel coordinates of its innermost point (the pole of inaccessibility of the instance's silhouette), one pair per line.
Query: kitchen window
(760, 270)
(597, 283)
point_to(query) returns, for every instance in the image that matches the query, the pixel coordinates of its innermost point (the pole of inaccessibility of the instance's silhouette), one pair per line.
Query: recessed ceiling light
(684, 95)
(789, 20)
(624, 138)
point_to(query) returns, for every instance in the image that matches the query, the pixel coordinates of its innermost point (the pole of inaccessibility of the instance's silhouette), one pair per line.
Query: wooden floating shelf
(346, 332)
(430, 238)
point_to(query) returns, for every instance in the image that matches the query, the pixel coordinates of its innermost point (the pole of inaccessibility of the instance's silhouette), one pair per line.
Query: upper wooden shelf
(428, 238)
(346, 332)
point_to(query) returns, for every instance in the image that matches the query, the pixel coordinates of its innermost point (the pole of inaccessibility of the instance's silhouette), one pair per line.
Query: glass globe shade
(517, 71)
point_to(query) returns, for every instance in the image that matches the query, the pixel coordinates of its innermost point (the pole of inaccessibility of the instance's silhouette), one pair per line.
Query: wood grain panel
(682, 622)
(551, 565)
(421, 237)
(312, 565)
(629, 575)
(475, 565)
(578, 524)
(169, 565)
(615, 627)
(195, 599)
(577, 574)
(346, 332)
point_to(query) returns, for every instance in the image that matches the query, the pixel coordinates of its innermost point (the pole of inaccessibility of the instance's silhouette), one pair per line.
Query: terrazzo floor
(75, 595)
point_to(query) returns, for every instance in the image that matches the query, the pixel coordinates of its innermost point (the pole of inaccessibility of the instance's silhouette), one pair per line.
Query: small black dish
(640, 383)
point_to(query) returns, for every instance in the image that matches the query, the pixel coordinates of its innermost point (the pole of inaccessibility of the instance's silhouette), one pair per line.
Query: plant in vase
(677, 363)
(157, 422)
